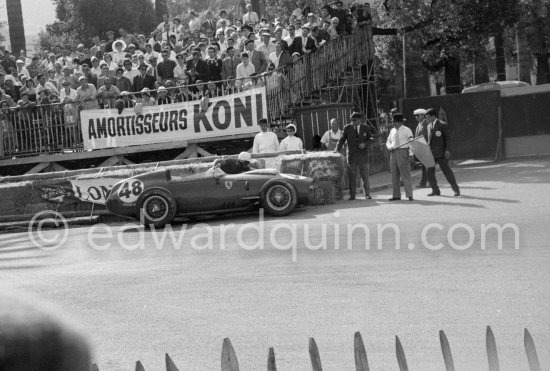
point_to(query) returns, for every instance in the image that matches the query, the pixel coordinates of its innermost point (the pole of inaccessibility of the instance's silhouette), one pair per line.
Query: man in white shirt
(291, 142)
(400, 157)
(331, 137)
(245, 69)
(265, 141)
(266, 46)
(251, 17)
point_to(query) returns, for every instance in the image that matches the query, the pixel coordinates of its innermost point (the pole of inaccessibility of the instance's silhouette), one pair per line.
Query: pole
(404, 67)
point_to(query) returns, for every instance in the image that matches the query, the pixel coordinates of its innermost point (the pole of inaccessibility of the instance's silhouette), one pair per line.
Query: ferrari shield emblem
(228, 184)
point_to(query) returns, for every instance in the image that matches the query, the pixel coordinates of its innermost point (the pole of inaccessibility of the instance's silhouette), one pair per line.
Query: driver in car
(236, 165)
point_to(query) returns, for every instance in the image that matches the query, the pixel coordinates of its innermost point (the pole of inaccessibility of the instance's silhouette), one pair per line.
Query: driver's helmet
(244, 156)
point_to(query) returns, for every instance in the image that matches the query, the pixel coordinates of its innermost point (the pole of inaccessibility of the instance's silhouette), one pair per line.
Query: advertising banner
(216, 117)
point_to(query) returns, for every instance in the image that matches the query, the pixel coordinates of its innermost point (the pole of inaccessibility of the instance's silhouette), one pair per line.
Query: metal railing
(55, 128)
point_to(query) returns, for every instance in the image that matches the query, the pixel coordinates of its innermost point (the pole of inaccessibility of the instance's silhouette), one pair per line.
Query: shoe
(434, 194)
(394, 199)
(351, 198)
(411, 199)
(421, 185)
(457, 193)
(368, 197)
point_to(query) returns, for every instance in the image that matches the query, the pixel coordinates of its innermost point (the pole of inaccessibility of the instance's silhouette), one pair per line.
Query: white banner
(225, 116)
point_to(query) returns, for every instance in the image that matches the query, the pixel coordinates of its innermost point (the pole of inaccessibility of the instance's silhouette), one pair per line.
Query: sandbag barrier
(66, 192)
(229, 361)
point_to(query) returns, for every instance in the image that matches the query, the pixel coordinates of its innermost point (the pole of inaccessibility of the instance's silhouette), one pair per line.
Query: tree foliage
(79, 20)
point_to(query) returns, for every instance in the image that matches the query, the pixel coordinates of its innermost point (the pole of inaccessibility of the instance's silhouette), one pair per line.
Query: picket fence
(229, 358)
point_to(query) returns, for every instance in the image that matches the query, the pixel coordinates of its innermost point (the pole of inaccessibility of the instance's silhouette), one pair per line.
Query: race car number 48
(130, 190)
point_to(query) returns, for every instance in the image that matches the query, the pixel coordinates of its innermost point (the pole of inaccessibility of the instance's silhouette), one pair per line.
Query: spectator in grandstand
(165, 68)
(333, 28)
(266, 46)
(127, 37)
(119, 54)
(125, 100)
(108, 58)
(29, 87)
(320, 35)
(11, 90)
(7, 61)
(250, 17)
(121, 82)
(67, 94)
(244, 70)
(107, 94)
(257, 58)
(304, 44)
(214, 65)
(265, 141)
(21, 69)
(194, 21)
(196, 67)
(183, 95)
(86, 72)
(212, 90)
(143, 80)
(43, 84)
(152, 69)
(279, 38)
(337, 10)
(163, 97)
(229, 64)
(86, 94)
(280, 57)
(52, 79)
(129, 71)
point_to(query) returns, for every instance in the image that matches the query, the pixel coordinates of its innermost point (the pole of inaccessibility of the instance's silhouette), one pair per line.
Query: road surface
(139, 297)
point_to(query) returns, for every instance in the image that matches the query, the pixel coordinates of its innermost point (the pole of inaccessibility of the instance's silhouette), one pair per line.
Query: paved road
(139, 304)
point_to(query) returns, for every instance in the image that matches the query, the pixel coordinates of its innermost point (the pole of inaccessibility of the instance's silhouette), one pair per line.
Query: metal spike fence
(55, 128)
(229, 360)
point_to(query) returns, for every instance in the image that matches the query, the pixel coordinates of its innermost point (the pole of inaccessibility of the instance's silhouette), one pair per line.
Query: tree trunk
(15, 26)
(481, 72)
(543, 68)
(524, 54)
(418, 78)
(453, 82)
(500, 57)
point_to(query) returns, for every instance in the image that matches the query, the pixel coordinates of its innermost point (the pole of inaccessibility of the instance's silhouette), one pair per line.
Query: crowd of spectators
(176, 62)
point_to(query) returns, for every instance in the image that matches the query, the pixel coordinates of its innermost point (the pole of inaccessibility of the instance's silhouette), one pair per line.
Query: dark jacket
(297, 45)
(141, 82)
(201, 71)
(165, 69)
(440, 139)
(214, 69)
(350, 135)
(229, 70)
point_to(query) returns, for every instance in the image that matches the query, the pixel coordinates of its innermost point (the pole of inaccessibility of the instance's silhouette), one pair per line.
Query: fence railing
(55, 128)
(229, 361)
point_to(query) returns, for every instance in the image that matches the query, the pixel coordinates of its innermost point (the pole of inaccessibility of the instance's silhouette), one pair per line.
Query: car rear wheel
(156, 208)
(278, 197)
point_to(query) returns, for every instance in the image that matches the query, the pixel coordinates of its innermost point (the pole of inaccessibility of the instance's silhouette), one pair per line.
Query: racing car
(156, 198)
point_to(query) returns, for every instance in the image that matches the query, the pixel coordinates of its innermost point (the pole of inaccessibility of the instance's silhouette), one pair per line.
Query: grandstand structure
(330, 83)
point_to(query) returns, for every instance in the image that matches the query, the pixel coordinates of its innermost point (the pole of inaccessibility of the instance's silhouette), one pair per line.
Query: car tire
(156, 207)
(278, 197)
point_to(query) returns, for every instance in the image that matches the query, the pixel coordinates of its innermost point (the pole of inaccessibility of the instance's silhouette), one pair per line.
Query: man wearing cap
(421, 130)
(257, 58)
(400, 157)
(250, 17)
(266, 46)
(143, 80)
(304, 44)
(439, 140)
(237, 165)
(358, 137)
(21, 69)
(229, 64)
(265, 141)
(291, 142)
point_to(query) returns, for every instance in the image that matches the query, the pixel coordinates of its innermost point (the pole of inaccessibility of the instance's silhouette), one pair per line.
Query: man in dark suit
(359, 137)
(421, 130)
(229, 64)
(143, 80)
(303, 44)
(257, 58)
(214, 65)
(439, 140)
(197, 68)
(165, 69)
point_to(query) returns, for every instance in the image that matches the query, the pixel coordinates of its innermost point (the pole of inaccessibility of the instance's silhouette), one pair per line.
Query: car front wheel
(156, 208)
(278, 197)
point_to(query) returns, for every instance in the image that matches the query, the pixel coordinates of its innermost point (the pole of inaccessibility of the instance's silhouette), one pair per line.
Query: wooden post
(314, 355)
(446, 349)
(361, 361)
(534, 364)
(139, 366)
(492, 354)
(170, 365)
(2, 142)
(401, 360)
(229, 358)
(271, 366)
